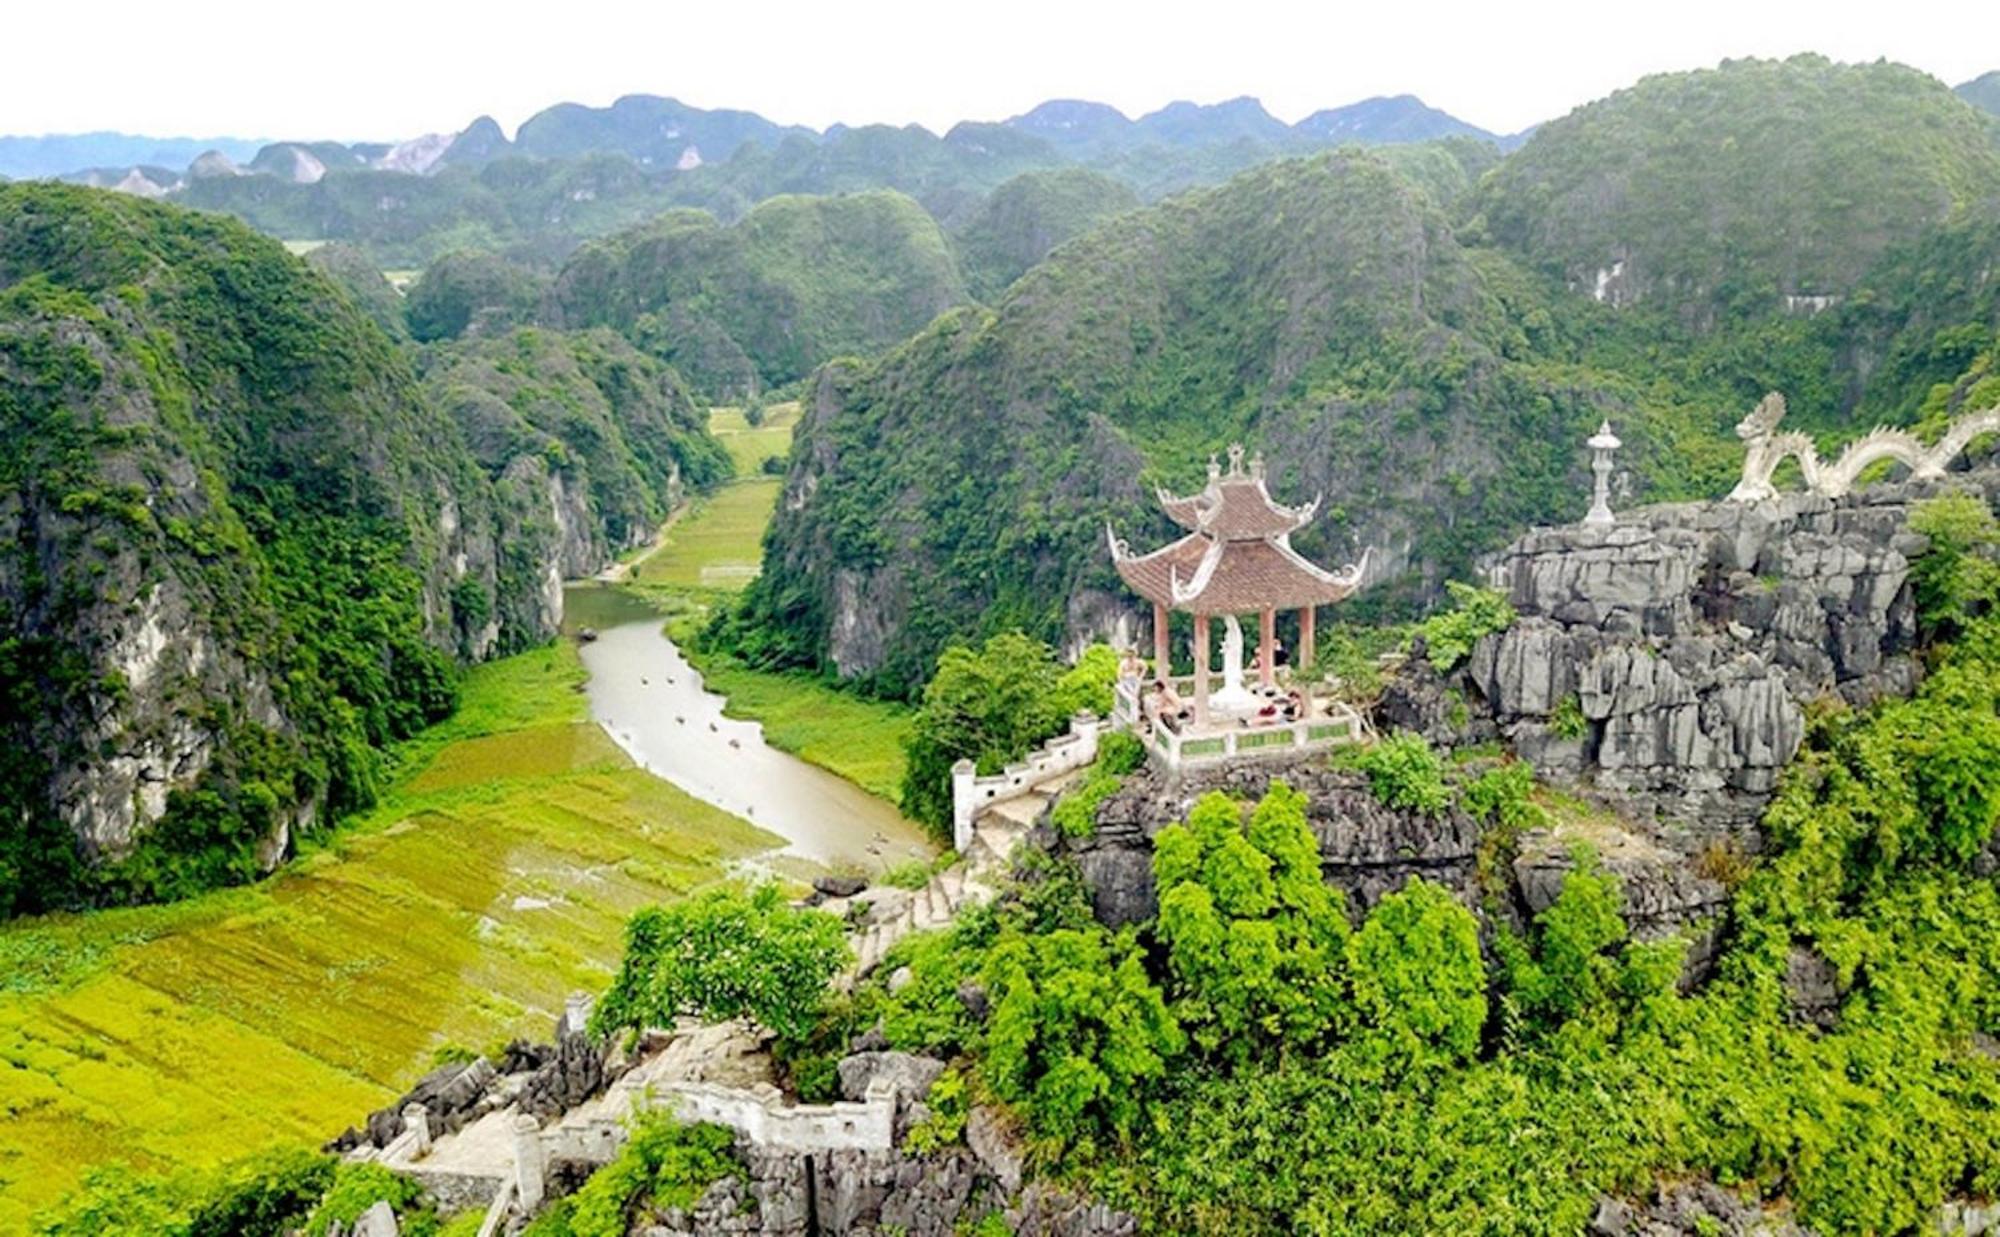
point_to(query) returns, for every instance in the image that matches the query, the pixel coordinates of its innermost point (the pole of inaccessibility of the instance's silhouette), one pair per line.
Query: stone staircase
(892, 914)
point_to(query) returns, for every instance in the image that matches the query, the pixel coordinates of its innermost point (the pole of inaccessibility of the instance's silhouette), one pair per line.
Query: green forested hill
(240, 548)
(796, 281)
(1022, 220)
(1726, 191)
(1416, 349)
(1319, 307)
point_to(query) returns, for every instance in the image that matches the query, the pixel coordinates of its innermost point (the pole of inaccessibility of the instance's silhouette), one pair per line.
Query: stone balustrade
(972, 793)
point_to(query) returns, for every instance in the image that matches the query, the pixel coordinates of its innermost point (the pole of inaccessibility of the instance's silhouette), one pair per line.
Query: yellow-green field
(494, 880)
(750, 445)
(717, 543)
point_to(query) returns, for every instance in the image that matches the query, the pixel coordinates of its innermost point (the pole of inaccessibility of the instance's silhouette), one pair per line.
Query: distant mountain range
(58, 154)
(1983, 92)
(663, 133)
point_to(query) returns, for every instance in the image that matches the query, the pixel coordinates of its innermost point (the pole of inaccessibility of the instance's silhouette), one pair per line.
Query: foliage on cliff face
(759, 303)
(1029, 216)
(239, 545)
(1256, 940)
(1667, 196)
(1595, 1075)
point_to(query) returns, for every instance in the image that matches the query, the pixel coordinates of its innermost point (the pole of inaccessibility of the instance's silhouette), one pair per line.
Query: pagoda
(1237, 558)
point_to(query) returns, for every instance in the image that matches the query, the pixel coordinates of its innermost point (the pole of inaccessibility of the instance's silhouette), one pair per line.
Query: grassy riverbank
(712, 552)
(494, 879)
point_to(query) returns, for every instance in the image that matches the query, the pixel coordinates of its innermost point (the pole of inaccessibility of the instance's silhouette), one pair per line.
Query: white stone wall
(972, 794)
(762, 1117)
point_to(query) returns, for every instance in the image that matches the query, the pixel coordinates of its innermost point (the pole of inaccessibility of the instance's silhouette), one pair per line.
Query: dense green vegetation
(1707, 216)
(992, 705)
(759, 303)
(1030, 215)
(1277, 1067)
(244, 545)
(720, 955)
(1427, 354)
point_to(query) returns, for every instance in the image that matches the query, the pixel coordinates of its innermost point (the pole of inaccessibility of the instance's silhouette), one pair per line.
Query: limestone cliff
(1667, 664)
(241, 544)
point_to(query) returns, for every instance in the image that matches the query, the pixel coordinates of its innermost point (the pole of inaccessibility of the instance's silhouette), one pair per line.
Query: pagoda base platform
(1175, 740)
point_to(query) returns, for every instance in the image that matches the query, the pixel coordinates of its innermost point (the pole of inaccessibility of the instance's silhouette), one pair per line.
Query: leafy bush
(1568, 720)
(1087, 685)
(724, 954)
(1419, 982)
(1449, 635)
(1503, 795)
(945, 1126)
(1077, 1032)
(664, 1165)
(1075, 814)
(1579, 960)
(1120, 752)
(1405, 773)
(991, 706)
(1255, 939)
(357, 1187)
(1957, 577)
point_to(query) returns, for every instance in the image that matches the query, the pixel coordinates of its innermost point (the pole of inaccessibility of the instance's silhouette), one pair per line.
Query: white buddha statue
(1233, 699)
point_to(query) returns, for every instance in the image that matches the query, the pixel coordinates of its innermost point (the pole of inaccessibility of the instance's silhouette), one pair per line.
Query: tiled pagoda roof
(1237, 556)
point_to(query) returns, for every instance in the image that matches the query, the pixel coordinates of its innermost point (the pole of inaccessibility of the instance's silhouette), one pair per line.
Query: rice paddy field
(494, 880)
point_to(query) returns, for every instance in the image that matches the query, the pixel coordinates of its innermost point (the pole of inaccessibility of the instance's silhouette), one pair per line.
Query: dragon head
(1762, 419)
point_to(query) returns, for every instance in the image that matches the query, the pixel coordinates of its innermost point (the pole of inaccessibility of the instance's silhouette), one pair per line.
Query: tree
(1077, 1030)
(989, 705)
(1255, 939)
(725, 954)
(1418, 979)
(1405, 773)
(1956, 577)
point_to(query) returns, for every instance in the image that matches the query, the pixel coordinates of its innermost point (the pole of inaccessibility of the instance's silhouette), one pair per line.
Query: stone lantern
(1601, 445)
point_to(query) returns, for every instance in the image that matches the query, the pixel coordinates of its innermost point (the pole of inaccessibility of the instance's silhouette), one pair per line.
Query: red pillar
(1201, 669)
(1267, 641)
(1308, 651)
(1163, 658)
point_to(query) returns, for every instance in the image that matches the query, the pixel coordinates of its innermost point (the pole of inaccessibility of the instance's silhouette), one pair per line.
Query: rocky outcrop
(1367, 849)
(1692, 1209)
(873, 1193)
(1667, 663)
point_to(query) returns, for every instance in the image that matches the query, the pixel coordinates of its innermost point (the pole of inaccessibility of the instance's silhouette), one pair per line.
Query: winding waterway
(652, 703)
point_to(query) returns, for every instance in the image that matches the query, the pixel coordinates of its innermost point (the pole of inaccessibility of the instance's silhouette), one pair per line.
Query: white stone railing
(761, 1116)
(1341, 724)
(972, 794)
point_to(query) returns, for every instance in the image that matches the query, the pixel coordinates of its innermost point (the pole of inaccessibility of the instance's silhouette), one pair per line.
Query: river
(652, 703)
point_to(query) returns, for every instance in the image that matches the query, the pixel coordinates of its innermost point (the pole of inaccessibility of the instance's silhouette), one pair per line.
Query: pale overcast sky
(386, 69)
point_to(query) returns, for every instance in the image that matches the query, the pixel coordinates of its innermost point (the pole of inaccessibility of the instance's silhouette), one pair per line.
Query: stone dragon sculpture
(1765, 449)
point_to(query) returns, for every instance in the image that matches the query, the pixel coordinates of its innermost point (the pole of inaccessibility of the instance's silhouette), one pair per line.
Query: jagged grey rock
(1688, 640)
(911, 1075)
(1367, 849)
